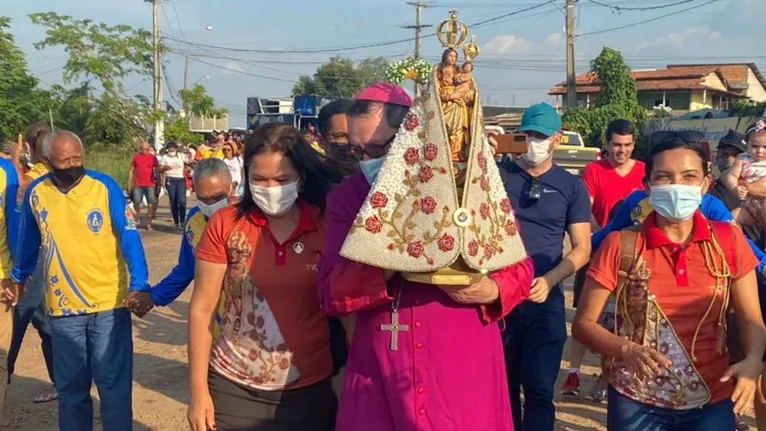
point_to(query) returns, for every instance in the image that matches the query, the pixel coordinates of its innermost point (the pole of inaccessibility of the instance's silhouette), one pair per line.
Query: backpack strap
(724, 233)
(628, 247)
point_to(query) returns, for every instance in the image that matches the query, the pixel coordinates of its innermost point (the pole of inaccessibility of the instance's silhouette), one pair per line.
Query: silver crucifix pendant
(394, 327)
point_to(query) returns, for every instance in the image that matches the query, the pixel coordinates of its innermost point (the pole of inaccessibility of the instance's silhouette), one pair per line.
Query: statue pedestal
(457, 274)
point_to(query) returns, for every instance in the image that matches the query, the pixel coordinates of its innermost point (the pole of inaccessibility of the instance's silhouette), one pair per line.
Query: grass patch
(111, 160)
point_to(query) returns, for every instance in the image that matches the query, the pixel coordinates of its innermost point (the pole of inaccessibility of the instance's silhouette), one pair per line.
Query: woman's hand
(747, 373)
(644, 361)
(201, 413)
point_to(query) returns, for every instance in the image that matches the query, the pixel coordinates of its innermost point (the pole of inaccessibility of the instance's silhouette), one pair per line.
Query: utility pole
(419, 26)
(159, 126)
(186, 71)
(571, 77)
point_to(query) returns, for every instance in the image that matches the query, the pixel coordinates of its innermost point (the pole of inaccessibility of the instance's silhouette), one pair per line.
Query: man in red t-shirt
(609, 181)
(142, 182)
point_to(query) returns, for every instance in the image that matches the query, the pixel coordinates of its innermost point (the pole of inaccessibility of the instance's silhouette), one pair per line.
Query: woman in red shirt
(673, 279)
(270, 368)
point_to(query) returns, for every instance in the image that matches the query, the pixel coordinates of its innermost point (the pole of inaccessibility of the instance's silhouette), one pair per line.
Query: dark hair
(336, 107)
(619, 127)
(671, 140)
(36, 133)
(393, 114)
(317, 174)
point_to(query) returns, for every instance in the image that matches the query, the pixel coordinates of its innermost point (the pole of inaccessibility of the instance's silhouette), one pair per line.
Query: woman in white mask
(270, 367)
(673, 278)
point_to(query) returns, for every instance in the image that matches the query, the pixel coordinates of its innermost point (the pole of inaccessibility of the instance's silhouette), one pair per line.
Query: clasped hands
(139, 303)
(10, 292)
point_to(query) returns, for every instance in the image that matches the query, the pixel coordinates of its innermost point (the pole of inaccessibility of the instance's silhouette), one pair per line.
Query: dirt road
(160, 376)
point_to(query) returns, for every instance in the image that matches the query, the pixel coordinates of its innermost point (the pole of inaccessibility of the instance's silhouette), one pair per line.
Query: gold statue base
(457, 274)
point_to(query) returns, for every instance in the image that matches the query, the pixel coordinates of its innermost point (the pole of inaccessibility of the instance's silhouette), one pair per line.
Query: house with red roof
(682, 87)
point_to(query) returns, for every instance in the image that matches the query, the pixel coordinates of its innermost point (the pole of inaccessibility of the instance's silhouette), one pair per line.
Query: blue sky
(522, 56)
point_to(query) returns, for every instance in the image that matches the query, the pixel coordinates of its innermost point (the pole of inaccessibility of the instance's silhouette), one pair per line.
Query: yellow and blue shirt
(172, 286)
(38, 170)
(9, 216)
(92, 250)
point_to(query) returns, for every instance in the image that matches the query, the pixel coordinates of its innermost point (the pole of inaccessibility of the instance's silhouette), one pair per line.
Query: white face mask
(211, 209)
(277, 200)
(538, 151)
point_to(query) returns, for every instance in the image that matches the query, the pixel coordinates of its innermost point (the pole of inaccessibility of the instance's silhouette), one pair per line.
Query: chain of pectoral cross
(395, 327)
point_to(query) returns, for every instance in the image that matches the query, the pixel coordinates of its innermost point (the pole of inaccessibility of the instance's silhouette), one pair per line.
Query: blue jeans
(94, 348)
(624, 414)
(31, 309)
(533, 341)
(177, 195)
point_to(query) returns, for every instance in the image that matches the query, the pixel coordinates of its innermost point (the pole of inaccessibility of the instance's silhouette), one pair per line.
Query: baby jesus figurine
(464, 83)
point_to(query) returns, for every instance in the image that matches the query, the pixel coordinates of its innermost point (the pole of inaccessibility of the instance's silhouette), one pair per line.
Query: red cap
(384, 92)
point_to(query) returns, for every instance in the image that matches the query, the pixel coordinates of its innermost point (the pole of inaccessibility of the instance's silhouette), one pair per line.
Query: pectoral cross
(394, 327)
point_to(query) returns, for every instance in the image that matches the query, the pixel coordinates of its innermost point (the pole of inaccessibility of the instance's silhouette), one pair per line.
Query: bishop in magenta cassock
(441, 368)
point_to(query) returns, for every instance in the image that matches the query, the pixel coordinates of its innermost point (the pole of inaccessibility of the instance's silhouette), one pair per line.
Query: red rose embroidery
(510, 228)
(426, 173)
(411, 156)
(484, 184)
(415, 249)
(488, 251)
(430, 152)
(284, 364)
(482, 161)
(484, 211)
(373, 224)
(505, 205)
(473, 248)
(411, 122)
(446, 243)
(379, 200)
(428, 205)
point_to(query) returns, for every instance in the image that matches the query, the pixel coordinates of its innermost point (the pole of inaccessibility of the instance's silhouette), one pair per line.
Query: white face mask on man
(277, 200)
(211, 209)
(538, 151)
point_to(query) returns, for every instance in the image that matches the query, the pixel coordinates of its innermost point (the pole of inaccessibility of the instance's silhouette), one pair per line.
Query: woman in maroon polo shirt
(673, 279)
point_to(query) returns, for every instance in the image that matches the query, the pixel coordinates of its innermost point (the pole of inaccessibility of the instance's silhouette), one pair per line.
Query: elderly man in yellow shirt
(94, 258)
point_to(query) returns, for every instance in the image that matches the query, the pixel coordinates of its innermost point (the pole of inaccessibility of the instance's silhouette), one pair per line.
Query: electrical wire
(178, 20)
(360, 46)
(646, 21)
(619, 9)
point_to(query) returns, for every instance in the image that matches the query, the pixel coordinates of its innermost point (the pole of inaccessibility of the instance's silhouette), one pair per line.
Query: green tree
(21, 101)
(197, 102)
(107, 55)
(618, 99)
(340, 77)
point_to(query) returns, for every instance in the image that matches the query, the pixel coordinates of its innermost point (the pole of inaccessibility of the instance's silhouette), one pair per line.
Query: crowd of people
(667, 285)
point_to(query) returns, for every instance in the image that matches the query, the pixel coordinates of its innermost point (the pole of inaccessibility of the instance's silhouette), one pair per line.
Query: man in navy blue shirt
(549, 203)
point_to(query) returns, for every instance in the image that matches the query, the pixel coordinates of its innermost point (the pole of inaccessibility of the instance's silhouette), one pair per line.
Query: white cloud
(231, 68)
(701, 36)
(507, 44)
(555, 39)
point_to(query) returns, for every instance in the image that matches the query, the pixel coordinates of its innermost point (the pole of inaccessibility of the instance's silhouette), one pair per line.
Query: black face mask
(341, 155)
(65, 178)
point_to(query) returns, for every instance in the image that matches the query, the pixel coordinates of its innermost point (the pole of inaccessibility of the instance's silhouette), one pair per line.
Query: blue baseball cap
(541, 118)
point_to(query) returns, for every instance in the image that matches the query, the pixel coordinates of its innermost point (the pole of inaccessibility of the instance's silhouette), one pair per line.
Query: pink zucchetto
(384, 92)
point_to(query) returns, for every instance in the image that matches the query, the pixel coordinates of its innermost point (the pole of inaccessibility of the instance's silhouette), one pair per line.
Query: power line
(178, 20)
(646, 21)
(619, 9)
(359, 46)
